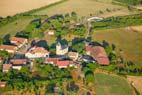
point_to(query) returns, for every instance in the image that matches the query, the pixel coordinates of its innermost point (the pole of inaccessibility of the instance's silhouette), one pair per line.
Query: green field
(128, 41)
(111, 85)
(14, 27)
(84, 8)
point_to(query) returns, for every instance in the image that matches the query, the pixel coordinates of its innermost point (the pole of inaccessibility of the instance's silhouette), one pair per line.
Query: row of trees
(61, 24)
(5, 39)
(8, 19)
(117, 22)
(131, 2)
(88, 70)
(45, 77)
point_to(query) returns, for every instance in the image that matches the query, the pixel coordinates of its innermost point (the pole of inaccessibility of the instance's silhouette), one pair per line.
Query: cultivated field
(85, 8)
(12, 7)
(111, 85)
(125, 39)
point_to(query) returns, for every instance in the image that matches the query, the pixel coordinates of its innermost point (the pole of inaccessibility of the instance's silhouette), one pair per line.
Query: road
(89, 25)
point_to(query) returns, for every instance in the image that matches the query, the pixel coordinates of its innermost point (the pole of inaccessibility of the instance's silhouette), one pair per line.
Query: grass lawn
(14, 27)
(111, 85)
(128, 41)
(84, 8)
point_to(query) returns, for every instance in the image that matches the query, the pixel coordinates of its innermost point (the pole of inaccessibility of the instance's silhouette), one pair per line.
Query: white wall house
(73, 55)
(18, 63)
(37, 52)
(61, 49)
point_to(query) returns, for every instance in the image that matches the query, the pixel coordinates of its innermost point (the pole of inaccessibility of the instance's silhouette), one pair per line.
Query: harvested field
(127, 40)
(85, 8)
(137, 82)
(12, 7)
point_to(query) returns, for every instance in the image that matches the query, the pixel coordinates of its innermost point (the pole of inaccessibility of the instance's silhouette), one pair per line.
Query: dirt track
(12, 7)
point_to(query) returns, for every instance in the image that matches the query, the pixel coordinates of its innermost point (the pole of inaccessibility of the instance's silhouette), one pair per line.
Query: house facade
(59, 63)
(6, 67)
(2, 84)
(19, 42)
(18, 63)
(64, 63)
(73, 55)
(61, 49)
(9, 48)
(52, 61)
(37, 52)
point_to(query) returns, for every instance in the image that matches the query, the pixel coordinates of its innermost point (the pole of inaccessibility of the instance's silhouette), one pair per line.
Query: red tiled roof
(63, 63)
(54, 60)
(18, 39)
(7, 66)
(8, 47)
(18, 61)
(38, 50)
(89, 48)
(103, 60)
(99, 54)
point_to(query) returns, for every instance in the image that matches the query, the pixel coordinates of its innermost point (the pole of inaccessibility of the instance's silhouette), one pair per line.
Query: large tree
(4, 54)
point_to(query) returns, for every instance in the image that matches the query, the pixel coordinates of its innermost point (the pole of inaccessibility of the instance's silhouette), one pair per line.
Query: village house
(98, 53)
(61, 49)
(6, 67)
(19, 42)
(9, 48)
(18, 63)
(2, 84)
(52, 61)
(64, 64)
(37, 52)
(59, 63)
(73, 55)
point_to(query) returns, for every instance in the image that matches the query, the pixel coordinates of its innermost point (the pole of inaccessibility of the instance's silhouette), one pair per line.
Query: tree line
(131, 2)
